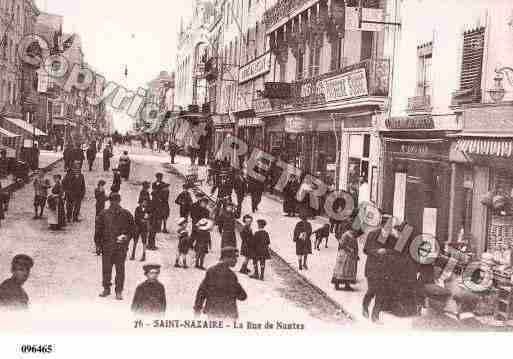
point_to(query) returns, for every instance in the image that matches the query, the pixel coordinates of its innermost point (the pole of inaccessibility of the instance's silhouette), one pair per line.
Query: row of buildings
(413, 99)
(33, 108)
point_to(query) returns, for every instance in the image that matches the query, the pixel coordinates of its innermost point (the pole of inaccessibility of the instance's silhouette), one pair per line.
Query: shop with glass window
(483, 201)
(417, 179)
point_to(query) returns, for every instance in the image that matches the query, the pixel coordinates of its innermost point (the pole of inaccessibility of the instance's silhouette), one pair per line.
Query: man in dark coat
(220, 289)
(115, 227)
(256, 189)
(73, 185)
(240, 187)
(107, 155)
(376, 271)
(67, 155)
(77, 155)
(150, 296)
(91, 155)
(12, 294)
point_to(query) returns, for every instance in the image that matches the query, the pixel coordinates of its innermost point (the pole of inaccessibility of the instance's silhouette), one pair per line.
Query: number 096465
(39, 349)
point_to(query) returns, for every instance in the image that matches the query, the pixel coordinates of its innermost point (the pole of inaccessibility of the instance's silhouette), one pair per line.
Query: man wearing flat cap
(115, 227)
(12, 294)
(220, 289)
(150, 296)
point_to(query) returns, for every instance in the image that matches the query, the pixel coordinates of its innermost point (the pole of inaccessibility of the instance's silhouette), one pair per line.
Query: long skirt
(228, 239)
(345, 268)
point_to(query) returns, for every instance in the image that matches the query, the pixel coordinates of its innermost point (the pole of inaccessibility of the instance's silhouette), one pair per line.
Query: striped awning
(486, 146)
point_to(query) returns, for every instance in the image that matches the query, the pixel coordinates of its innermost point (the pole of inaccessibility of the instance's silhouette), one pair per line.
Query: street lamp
(498, 92)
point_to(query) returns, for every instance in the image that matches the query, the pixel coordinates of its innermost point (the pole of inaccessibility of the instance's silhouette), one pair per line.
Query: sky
(139, 34)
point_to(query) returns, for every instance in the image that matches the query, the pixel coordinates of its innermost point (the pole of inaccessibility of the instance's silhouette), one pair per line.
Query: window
(367, 39)
(472, 59)
(299, 65)
(424, 56)
(315, 59)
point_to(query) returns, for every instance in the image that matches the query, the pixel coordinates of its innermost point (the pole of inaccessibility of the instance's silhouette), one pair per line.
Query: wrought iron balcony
(465, 97)
(419, 103)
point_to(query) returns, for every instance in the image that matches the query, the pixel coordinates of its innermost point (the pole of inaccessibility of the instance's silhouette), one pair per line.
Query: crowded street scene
(284, 165)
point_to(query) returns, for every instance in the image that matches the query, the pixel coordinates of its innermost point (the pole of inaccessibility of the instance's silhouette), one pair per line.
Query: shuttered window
(472, 59)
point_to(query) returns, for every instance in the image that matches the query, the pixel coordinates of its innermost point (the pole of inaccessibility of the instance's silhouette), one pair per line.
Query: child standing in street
(261, 242)
(302, 234)
(145, 192)
(184, 200)
(150, 296)
(183, 248)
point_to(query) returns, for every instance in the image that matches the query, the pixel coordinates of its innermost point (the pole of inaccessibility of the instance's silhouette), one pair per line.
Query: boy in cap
(12, 294)
(150, 296)
(142, 220)
(183, 248)
(184, 200)
(261, 242)
(41, 186)
(144, 194)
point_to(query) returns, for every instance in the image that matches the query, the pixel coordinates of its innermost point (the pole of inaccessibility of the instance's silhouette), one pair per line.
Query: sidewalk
(321, 263)
(46, 158)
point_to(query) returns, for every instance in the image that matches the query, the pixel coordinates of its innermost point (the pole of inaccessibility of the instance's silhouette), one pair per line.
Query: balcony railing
(377, 71)
(281, 10)
(464, 97)
(419, 103)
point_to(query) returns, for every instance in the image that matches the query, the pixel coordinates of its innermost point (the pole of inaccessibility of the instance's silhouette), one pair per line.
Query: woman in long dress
(56, 216)
(347, 260)
(124, 165)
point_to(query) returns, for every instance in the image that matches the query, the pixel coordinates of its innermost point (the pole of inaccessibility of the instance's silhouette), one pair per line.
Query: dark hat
(159, 174)
(115, 197)
(149, 267)
(261, 222)
(22, 260)
(229, 252)
(247, 216)
(146, 184)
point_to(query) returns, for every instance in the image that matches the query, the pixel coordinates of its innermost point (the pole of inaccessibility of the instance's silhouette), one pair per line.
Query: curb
(171, 169)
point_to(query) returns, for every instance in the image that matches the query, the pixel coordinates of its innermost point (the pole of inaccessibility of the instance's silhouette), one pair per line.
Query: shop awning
(26, 126)
(486, 146)
(5, 133)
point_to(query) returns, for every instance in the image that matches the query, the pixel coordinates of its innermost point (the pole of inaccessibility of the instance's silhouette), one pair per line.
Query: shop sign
(223, 119)
(297, 124)
(257, 67)
(410, 123)
(262, 105)
(250, 121)
(348, 85)
(418, 148)
(282, 90)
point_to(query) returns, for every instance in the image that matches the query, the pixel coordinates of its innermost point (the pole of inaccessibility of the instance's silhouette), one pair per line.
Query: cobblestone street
(66, 278)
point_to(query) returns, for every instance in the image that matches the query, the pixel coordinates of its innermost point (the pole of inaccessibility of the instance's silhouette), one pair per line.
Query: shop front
(224, 125)
(251, 131)
(417, 179)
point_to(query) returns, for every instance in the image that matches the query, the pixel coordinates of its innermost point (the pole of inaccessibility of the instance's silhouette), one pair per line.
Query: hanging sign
(257, 67)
